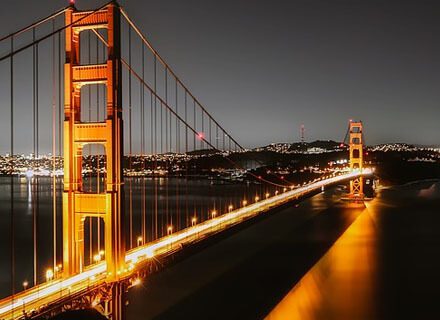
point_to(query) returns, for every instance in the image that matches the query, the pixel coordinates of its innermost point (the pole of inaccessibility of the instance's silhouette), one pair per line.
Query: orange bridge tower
(356, 145)
(78, 204)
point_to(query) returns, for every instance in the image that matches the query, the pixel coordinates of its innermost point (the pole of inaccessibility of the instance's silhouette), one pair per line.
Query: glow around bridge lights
(149, 253)
(136, 282)
(49, 274)
(201, 135)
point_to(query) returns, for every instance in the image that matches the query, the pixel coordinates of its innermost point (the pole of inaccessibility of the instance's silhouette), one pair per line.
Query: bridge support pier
(117, 303)
(112, 303)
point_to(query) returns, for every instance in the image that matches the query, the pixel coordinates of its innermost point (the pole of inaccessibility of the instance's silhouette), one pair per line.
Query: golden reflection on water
(341, 284)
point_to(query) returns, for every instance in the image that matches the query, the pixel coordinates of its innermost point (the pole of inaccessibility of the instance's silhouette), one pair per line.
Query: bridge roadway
(58, 290)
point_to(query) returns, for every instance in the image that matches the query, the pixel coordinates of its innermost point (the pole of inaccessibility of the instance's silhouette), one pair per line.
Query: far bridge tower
(356, 144)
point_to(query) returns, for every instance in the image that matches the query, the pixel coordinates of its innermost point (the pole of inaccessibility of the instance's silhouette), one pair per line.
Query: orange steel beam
(77, 205)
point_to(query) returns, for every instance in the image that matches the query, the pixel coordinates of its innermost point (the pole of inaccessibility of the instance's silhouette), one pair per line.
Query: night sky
(265, 67)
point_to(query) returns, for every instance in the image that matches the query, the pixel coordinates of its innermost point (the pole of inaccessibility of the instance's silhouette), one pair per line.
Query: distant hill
(318, 146)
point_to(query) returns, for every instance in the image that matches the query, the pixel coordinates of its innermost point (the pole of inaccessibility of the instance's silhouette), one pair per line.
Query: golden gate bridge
(109, 108)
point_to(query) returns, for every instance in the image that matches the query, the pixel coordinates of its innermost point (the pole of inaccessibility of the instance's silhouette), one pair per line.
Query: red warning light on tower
(200, 135)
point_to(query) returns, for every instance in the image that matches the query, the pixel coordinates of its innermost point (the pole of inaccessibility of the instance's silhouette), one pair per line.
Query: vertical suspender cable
(54, 182)
(153, 161)
(155, 152)
(59, 100)
(202, 144)
(130, 142)
(143, 197)
(168, 221)
(35, 182)
(166, 111)
(195, 124)
(161, 128)
(195, 148)
(186, 161)
(216, 137)
(37, 143)
(177, 151)
(12, 178)
(89, 94)
(186, 121)
(152, 122)
(98, 157)
(210, 136)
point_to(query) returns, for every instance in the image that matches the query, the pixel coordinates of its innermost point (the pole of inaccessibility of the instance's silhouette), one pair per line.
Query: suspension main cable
(196, 101)
(35, 24)
(7, 56)
(162, 61)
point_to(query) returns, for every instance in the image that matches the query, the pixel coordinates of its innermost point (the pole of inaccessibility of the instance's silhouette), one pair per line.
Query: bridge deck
(52, 292)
